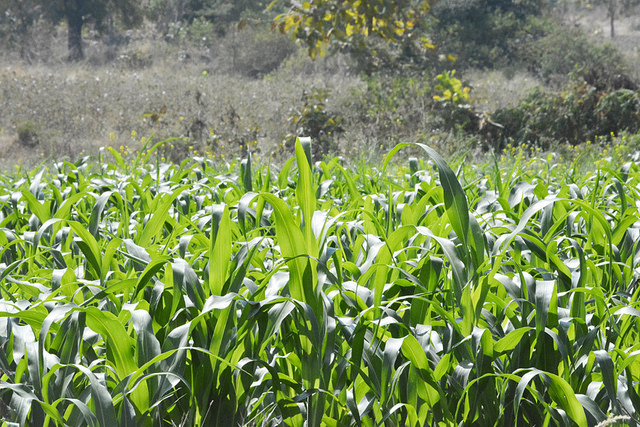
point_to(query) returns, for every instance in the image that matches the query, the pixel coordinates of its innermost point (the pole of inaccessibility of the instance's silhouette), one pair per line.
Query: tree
(353, 23)
(614, 9)
(17, 17)
(78, 13)
(488, 33)
(165, 12)
(228, 10)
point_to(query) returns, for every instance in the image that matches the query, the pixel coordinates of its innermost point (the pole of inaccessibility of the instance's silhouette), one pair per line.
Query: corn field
(137, 293)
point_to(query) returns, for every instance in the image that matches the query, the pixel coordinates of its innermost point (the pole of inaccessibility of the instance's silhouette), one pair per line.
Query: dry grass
(75, 108)
(497, 89)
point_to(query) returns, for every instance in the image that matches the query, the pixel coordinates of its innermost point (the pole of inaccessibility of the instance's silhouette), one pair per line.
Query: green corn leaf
(306, 196)
(545, 292)
(560, 391)
(160, 216)
(413, 351)
(294, 248)
(96, 212)
(105, 411)
(511, 340)
(455, 199)
(391, 352)
(39, 209)
(247, 179)
(609, 376)
(119, 348)
(89, 246)
(221, 247)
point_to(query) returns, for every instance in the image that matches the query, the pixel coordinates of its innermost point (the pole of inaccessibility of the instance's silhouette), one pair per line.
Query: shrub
(453, 103)
(485, 33)
(564, 51)
(391, 107)
(28, 134)
(258, 50)
(579, 113)
(314, 120)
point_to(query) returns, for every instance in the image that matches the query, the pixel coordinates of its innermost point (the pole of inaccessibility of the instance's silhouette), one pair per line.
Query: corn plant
(143, 293)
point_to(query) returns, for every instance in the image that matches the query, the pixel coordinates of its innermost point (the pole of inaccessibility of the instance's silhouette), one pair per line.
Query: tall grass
(143, 293)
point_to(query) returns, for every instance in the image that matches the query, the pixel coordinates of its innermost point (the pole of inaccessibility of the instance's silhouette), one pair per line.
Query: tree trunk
(613, 33)
(612, 15)
(74, 22)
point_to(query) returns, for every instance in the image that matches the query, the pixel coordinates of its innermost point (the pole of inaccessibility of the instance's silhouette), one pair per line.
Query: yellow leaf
(273, 3)
(349, 30)
(426, 43)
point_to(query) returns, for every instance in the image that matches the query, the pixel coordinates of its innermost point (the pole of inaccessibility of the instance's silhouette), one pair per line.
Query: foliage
(453, 103)
(355, 27)
(575, 115)
(143, 293)
(486, 33)
(314, 121)
(219, 13)
(390, 109)
(614, 8)
(511, 36)
(451, 90)
(78, 13)
(28, 134)
(17, 19)
(566, 51)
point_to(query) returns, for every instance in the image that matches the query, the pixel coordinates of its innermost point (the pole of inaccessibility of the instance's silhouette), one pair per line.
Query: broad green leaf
(306, 195)
(119, 349)
(294, 248)
(560, 391)
(89, 246)
(511, 340)
(156, 223)
(221, 247)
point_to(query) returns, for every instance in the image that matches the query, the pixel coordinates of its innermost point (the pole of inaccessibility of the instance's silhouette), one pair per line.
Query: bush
(485, 33)
(565, 51)
(28, 134)
(493, 34)
(314, 120)
(257, 50)
(391, 107)
(618, 111)
(578, 114)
